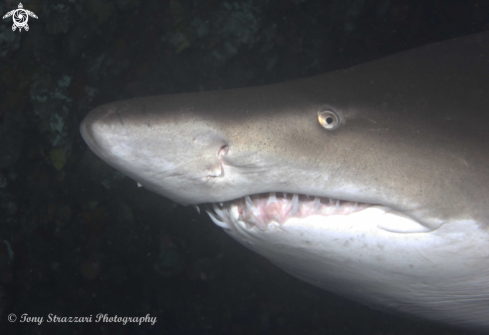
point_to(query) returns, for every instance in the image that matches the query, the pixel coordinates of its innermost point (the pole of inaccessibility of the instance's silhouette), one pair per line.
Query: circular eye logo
(20, 16)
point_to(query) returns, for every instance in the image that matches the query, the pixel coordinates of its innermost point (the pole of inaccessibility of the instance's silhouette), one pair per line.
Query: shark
(371, 182)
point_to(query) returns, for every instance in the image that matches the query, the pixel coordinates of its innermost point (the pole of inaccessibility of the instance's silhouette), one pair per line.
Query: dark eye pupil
(329, 120)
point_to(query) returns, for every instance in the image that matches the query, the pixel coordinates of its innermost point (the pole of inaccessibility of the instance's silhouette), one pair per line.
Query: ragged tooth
(218, 211)
(197, 208)
(218, 222)
(317, 203)
(248, 225)
(295, 204)
(226, 213)
(249, 203)
(261, 225)
(271, 198)
(330, 201)
(355, 207)
(337, 205)
(285, 194)
(233, 215)
(221, 204)
(276, 218)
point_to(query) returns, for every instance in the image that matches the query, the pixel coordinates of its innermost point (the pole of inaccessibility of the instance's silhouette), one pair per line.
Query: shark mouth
(261, 209)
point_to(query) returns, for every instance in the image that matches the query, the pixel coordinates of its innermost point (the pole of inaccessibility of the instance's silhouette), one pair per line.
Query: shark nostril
(223, 150)
(218, 170)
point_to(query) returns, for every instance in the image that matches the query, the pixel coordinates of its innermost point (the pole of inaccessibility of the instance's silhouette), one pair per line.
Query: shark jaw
(261, 210)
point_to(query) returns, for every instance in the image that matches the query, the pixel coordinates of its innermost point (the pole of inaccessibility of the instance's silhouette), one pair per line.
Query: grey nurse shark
(370, 182)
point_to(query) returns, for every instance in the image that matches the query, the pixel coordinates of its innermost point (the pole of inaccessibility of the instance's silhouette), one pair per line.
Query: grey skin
(411, 139)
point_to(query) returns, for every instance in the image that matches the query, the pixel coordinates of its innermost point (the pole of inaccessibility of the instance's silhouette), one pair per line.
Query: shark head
(371, 182)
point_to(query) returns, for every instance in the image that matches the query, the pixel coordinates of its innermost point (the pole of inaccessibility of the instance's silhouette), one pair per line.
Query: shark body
(370, 182)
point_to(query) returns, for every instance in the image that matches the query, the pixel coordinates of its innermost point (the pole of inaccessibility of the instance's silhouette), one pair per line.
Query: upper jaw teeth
(272, 198)
(261, 209)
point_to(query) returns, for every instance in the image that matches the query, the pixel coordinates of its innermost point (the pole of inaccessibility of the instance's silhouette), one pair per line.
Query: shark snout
(162, 151)
(91, 125)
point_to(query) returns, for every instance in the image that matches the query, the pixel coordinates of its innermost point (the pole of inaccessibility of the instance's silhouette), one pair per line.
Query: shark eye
(328, 119)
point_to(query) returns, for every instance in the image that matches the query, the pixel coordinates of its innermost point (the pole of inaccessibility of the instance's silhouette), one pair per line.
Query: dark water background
(77, 238)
